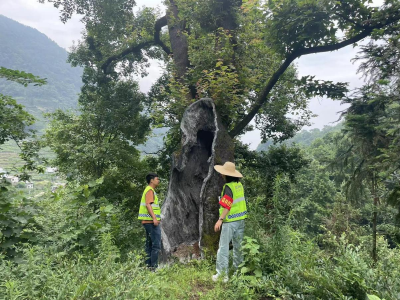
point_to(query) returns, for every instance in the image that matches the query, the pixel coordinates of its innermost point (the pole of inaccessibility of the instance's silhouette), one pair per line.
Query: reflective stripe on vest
(148, 216)
(152, 205)
(143, 212)
(238, 200)
(237, 215)
(238, 210)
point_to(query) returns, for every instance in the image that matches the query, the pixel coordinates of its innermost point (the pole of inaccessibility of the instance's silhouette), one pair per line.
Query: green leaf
(92, 183)
(107, 208)
(86, 191)
(8, 232)
(8, 243)
(258, 273)
(21, 77)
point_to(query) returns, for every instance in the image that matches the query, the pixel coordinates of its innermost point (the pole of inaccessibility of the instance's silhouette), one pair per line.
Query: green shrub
(82, 276)
(74, 218)
(16, 220)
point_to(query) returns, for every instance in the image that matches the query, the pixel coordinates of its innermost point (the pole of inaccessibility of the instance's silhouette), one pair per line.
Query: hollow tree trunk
(191, 207)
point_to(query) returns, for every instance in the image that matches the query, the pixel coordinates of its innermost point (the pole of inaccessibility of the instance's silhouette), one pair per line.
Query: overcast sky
(336, 66)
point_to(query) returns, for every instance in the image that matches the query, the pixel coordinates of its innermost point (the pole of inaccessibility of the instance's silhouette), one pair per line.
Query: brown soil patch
(200, 289)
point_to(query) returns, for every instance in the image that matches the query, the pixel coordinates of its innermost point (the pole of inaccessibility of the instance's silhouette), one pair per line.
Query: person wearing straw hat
(232, 213)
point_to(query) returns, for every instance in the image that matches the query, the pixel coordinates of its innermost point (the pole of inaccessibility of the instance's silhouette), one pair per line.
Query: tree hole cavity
(205, 140)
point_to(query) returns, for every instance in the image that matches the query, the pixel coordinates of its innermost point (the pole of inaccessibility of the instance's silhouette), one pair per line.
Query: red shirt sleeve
(226, 202)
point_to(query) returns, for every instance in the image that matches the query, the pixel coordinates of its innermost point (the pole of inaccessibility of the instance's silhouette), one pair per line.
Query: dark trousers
(153, 244)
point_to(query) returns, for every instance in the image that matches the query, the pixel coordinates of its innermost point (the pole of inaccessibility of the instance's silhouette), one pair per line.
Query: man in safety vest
(150, 214)
(232, 213)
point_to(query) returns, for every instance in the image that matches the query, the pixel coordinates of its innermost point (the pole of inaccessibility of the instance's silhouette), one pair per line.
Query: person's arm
(226, 202)
(217, 225)
(149, 201)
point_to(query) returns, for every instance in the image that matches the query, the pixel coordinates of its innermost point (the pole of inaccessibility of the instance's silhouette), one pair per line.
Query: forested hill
(305, 137)
(26, 49)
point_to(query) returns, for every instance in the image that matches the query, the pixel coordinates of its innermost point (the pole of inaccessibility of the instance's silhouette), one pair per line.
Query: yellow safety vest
(238, 209)
(143, 212)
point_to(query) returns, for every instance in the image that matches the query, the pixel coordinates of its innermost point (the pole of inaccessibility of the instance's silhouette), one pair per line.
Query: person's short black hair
(150, 176)
(231, 179)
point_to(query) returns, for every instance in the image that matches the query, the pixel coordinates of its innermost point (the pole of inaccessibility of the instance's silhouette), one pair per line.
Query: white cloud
(43, 17)
(337, 67)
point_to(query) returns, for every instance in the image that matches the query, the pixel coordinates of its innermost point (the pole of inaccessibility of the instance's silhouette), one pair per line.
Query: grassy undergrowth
(105, 277)
(299, 271)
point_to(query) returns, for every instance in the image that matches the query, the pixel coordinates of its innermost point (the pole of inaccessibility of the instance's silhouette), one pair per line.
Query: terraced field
(11, 163)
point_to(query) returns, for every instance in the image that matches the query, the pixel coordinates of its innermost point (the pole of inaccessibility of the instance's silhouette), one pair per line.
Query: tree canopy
(14, 120)
(240, 53)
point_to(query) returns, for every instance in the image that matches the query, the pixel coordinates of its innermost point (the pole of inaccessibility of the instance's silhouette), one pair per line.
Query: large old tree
(237, 53)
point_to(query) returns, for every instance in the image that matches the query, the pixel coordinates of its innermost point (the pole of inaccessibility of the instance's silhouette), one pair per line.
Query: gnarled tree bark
(191, 206)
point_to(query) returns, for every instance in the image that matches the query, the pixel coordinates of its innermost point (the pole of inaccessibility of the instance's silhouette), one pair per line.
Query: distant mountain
(155, 141)
(26, 49)
(304, 137)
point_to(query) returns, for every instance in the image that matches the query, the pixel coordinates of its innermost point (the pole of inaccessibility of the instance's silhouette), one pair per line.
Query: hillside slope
(26, 49)
(304, 137)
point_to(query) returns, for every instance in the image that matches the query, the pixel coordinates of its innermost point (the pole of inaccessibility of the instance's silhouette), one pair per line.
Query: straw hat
(228, 169)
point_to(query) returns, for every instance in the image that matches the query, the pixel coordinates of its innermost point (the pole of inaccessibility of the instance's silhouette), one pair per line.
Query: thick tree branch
(132, 49)
(152, 153)
(178, 39)
(263, 97)
(179, 45)
(160, 23)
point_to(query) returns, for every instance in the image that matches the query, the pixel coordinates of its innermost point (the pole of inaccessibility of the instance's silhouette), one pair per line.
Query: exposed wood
(192, 199)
